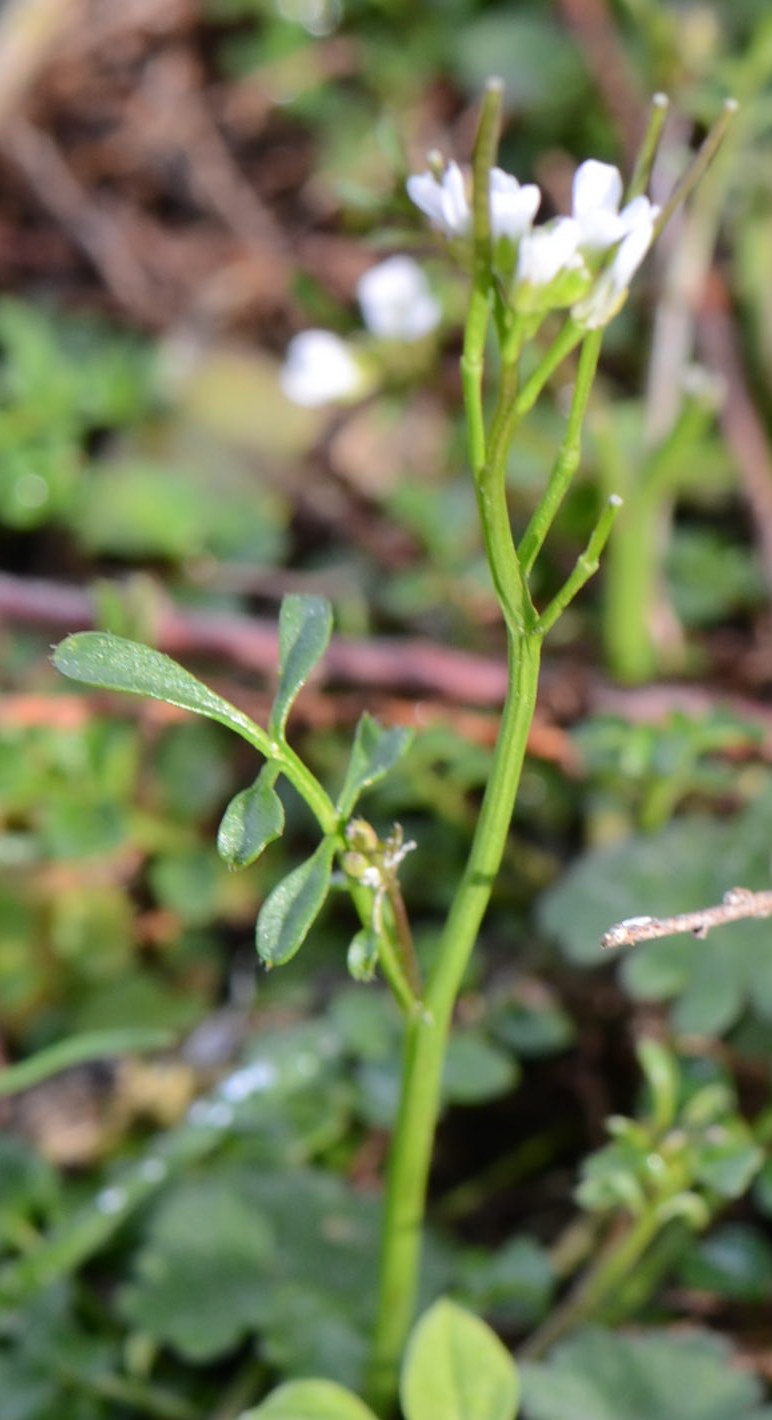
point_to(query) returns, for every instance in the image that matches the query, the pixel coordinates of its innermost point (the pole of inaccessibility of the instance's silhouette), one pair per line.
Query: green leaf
(612, 1377)
(515, 1283)
(205, 1240)
(456, 1367)
(305, 624)
(728, 1158)
(374, 752)
(286, 1253)
(735, 1261)
(111, 662)
(362, 958)
(252, 820)
(475, 1070)
(310, 1400)
(290, 909)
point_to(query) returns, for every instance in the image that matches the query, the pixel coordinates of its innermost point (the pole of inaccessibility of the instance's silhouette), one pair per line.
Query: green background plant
(153, 479)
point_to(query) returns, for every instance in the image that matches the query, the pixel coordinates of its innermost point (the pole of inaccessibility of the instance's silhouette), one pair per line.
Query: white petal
(513, 207)
(600, 230)
(425, 191)
(596, 186)
(318, 368)
(396, 302)
(639, 217)
(455, 206)
(443, 201)
(547, 251)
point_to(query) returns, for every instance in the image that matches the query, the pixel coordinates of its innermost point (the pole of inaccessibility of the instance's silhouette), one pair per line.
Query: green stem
(685, 187)
(567, 461)
(648, 149)
(427, 1034)
(630, 571)
(586, 566)
(476, 328)
(614, 1264)
(134, 1394)
(510, 411)
(306, 783)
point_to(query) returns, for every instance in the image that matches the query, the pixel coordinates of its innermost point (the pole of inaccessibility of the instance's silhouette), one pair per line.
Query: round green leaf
(252, 820)
(310, 1400)
(456, 1368)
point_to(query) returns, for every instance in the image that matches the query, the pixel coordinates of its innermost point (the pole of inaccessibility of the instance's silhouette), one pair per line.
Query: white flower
(443, 200)
(396, 301)
(547, 251)
(319, 367)
(513, 207)
(638, 220)
(597, 194)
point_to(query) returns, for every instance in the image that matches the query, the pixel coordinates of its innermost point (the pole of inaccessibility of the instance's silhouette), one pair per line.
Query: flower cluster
(396, 304)
(585, 261)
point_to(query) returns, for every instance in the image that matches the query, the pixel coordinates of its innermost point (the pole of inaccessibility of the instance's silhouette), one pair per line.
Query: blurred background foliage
(186, 184)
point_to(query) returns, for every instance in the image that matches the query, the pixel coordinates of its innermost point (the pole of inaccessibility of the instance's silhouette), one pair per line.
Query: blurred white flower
(443, 200)
(396, 302)
(318, 368)
(638, 220)
(513, 207)
(597, 193)
(547, 251)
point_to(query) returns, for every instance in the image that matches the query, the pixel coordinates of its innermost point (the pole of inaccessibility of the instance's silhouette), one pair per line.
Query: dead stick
(737, 903)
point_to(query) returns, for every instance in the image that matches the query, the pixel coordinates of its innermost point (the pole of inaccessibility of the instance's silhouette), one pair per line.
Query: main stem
(428, 1029)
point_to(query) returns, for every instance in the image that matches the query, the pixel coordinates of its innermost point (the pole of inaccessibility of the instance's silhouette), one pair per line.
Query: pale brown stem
(737, 903)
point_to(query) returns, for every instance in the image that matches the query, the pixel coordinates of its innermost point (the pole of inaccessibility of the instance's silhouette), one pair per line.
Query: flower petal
(597, 186)
(513, 207)
(547, 251)
(318, 368)
(396, 302)
(443, 201)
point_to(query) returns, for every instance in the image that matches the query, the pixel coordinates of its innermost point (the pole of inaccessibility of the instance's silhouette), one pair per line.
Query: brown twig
(737, 904)
(251, 642)
(95, 228)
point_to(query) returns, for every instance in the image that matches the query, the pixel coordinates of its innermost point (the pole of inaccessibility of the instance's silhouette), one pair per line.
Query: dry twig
(738, 903)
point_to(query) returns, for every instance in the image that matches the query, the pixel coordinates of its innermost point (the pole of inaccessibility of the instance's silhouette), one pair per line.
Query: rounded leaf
(310, 1400)
(456, 1368)
(252, 820)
